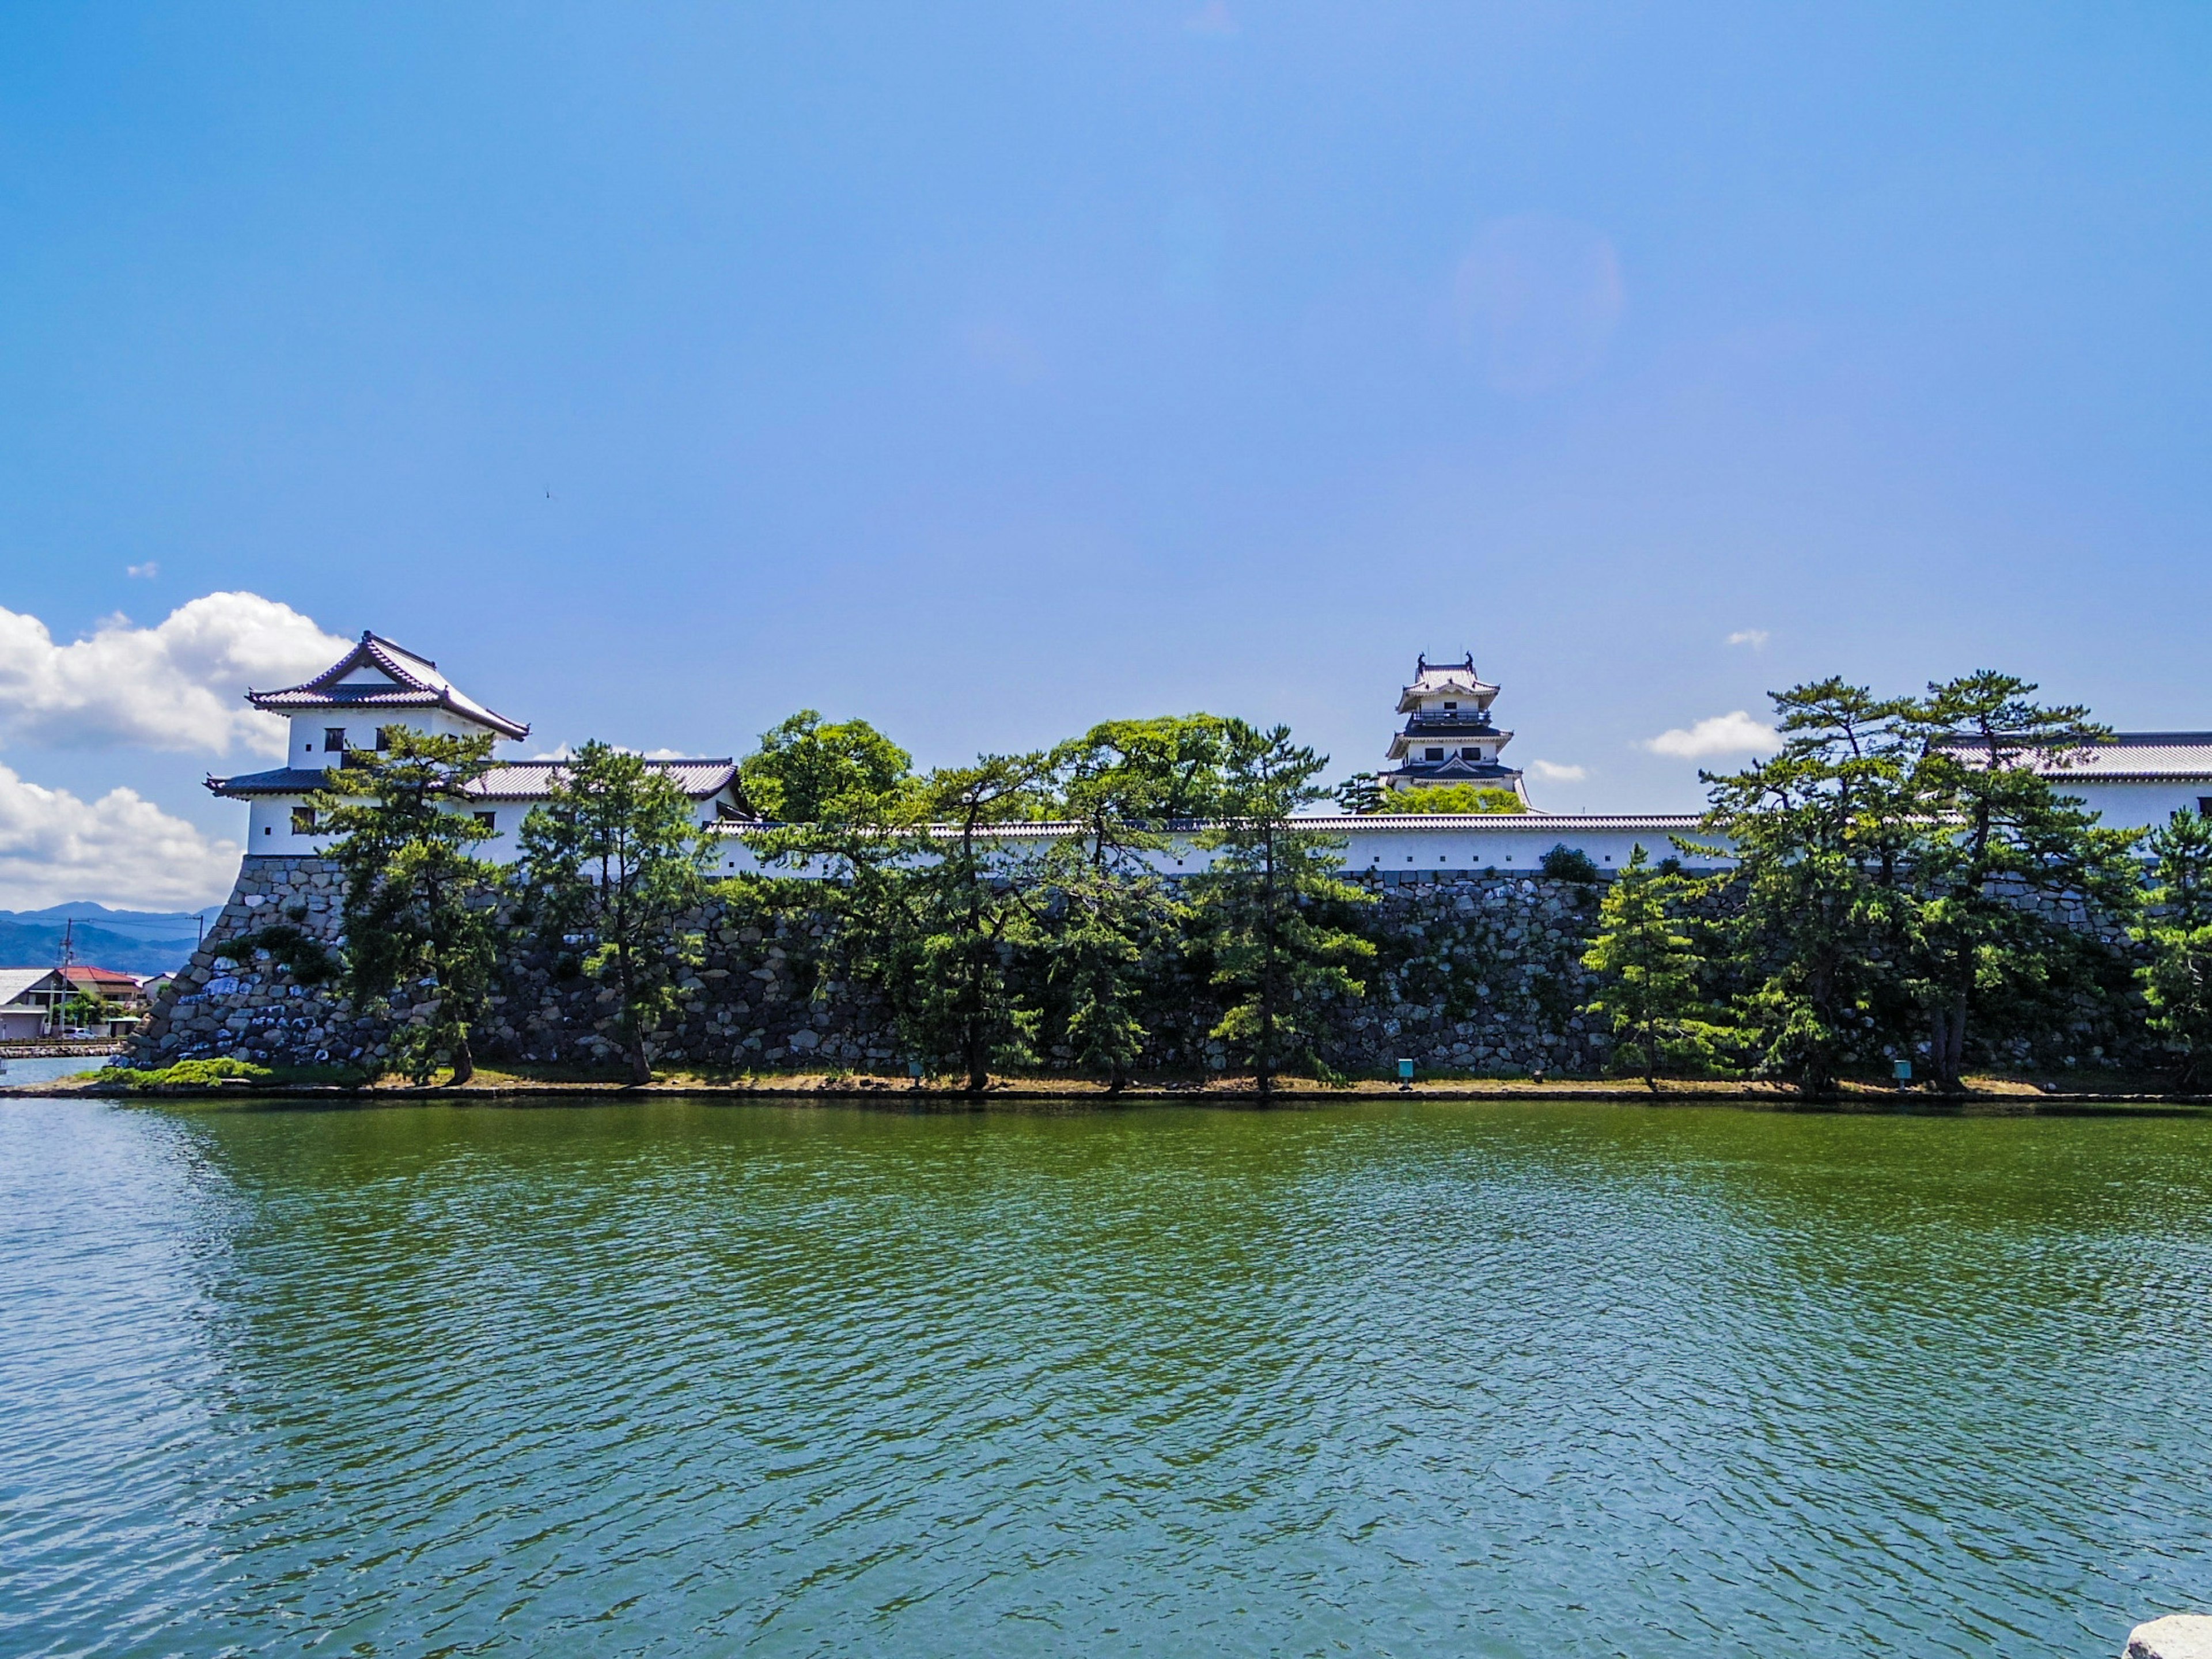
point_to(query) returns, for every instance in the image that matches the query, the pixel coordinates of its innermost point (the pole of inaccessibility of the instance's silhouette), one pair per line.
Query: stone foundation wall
(1475, 975)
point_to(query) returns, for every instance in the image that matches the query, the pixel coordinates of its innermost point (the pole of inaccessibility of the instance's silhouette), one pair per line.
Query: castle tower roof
(1443, 680)
(379, 674)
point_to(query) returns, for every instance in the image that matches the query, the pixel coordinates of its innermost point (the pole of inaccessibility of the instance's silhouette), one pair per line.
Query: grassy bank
(2073, 1090)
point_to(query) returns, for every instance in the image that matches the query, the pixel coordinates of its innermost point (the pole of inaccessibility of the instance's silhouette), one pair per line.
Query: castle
(1460, 893)
(1448, 737)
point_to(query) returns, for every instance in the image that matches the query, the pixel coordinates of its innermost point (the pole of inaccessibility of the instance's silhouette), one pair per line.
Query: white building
(353, 705)
(2141, 779)
(1448, 736)
(31, 1001)
(2138, 780)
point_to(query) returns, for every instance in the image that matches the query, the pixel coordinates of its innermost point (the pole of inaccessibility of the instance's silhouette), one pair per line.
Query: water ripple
(683, 1379)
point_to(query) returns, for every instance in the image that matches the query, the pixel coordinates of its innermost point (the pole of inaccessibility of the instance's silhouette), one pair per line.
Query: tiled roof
(534, 780)
(1537, 823)
(2133, 757)
(284, 781)
(78, 973)
(1465, 724)
(2145, 755)
(1453, 768)
(415, 683)
(14, 982)
(507, 780)
(1540, 823)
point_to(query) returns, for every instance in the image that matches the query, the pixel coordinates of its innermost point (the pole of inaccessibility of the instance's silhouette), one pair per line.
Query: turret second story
(356, 702)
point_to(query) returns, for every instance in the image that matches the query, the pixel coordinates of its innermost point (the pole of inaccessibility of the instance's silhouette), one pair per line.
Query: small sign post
(1405, 1077)
(1902, 1070)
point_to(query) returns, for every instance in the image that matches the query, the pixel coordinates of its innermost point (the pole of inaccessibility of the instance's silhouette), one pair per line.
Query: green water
(697, 1379)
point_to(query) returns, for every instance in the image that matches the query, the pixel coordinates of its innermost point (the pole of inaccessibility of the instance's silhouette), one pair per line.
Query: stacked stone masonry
(1475, 975)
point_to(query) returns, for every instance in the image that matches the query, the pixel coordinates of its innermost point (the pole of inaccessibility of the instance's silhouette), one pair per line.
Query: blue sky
(992, 370)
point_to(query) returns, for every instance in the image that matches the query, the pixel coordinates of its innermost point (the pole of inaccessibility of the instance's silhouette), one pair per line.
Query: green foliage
(931, 906)
(1269, 904)
(1820, 832)
(1144, 772)
(1897, 861)
(1111, 920)
(199, 1074)
(1989, 829)
(84, 1009)
(1650, 970)
(615, 853)
(810, 771)
(1565, 863)
(1360, 793)
(1450, 797)
(2176, 938)
(962, 903)
(418, 902)
(304, 954)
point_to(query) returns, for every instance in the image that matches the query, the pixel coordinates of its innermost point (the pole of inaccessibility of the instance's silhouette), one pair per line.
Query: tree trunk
(640, 1066)
(1954, 1053)
(464, 1062)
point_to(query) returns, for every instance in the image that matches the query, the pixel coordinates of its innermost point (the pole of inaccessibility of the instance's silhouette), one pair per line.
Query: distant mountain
(128, 941)
(136, 924)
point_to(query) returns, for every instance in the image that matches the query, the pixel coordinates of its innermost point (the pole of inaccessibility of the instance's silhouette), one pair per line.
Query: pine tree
(1264, 904)
(1649, 969)
(1994, 839)
(615, 853)
(1819, 833)
(1112, 916)
(418, 902)
(2177, 981)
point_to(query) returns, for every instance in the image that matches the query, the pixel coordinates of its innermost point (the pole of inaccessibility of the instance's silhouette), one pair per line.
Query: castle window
(1470, 754)
(382, 739)
(489, 820)
(1434, 754)
(334, 740)
(303, 820)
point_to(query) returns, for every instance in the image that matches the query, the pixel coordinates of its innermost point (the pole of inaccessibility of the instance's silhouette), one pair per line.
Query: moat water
(686, 1378)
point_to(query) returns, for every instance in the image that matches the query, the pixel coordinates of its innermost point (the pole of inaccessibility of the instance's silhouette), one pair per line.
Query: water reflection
(686, 1378)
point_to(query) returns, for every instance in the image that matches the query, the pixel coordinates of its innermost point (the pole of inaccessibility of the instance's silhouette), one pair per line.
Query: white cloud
(145, 571)
(178, 685)
(1756, 638)
(1552, 771)
(121, 850)
(1734, 734)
